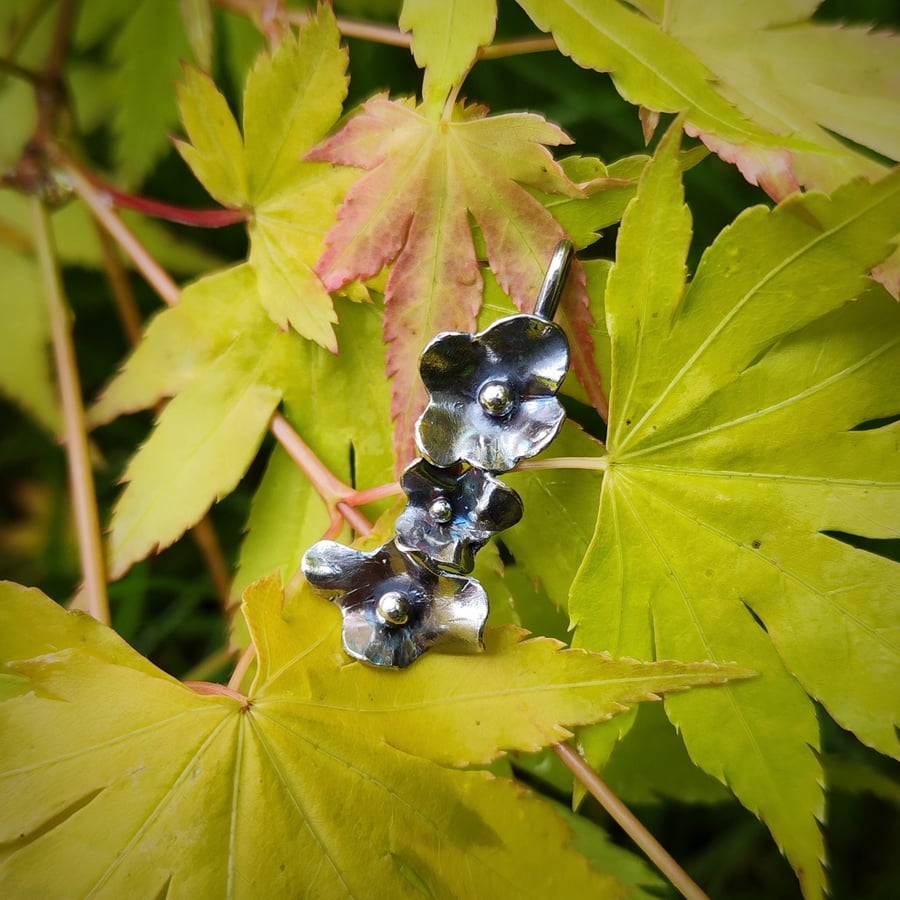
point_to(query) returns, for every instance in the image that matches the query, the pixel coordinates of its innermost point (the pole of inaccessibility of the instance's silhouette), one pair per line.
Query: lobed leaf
(730, 452)
(106, 761)
(291, 99)
(412, 208)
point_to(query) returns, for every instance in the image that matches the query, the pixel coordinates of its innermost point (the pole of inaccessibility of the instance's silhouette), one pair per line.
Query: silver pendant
(492, 403)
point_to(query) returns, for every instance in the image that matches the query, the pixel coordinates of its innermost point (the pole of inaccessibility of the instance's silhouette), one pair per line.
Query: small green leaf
(291, 99)
(446, 39)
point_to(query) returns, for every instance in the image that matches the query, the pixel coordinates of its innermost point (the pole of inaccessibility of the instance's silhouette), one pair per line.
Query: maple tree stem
(158, 278)
(386, 34)
(241, 666)
(206, 538)
(379, 492)
(517, 47)
(81, 476)
(331, 489)
(123, 295)
(13, 68)
(197, 218)
(632, 826)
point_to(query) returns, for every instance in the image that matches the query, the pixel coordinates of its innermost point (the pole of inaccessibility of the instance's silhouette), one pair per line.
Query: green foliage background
(166, 606)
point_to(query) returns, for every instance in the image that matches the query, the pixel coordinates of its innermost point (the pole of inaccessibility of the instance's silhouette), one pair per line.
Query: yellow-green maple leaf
(733, 450)
(328, 778)
(791, 102)
(224, 352)
(292, 97)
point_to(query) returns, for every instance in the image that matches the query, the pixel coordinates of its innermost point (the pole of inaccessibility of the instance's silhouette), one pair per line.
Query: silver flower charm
(493, 394)
(394, 608)
(452, 513)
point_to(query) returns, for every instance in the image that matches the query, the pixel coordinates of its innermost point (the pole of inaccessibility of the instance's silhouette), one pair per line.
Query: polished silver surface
(452, 513)
(394, 608)
(554, 281)
(496, 399)
(492, 396)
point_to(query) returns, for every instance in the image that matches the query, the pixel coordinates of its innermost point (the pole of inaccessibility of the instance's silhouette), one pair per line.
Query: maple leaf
(425, 177)
(222, 353)
(292, 97)
(326, 778)
(789, 107)
(732, 452)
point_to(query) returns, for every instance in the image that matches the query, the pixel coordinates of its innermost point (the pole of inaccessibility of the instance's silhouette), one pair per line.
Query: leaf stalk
(81, 476)
(632, 826)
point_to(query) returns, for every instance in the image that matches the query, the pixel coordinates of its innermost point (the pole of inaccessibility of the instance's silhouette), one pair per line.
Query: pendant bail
(554, 281)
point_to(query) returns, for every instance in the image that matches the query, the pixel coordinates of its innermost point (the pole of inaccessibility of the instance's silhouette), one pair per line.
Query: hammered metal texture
(452, 513)
(492, 395)
(394, 609)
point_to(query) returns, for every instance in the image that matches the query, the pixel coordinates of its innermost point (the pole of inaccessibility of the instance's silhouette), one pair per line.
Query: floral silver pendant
(492, 396)
(453, 512)
(394, 607)
(492, 403)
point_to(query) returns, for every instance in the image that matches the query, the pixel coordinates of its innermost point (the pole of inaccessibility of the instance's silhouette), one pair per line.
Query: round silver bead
(441, 510)
(393, 608)
(495, 398)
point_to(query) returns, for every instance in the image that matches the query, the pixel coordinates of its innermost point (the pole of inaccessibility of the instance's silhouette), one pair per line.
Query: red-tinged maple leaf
(412, 208)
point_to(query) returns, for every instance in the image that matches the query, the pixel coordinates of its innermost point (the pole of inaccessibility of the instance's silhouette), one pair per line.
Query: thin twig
(123, 295)
(655, 851)
(56, 56)
(240, 669)
(181, 215)
(390, 35)
(379, 492)
(517, 47)
(329, 487)
(81, 476)
(10, 67)
(156, 275)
